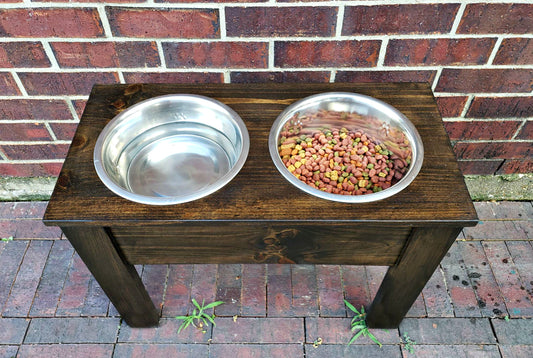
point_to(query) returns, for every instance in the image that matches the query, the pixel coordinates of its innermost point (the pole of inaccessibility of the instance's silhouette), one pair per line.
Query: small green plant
(7, 238)
(359, 325)
(408, 343)
(199, 318)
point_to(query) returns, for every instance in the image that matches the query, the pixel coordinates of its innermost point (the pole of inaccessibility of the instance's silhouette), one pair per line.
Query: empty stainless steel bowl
(367, 107)
(171, 149)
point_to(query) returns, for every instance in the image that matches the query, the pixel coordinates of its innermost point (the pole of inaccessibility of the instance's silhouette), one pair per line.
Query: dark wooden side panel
(404, 281)
(118, 278)
(217, 242)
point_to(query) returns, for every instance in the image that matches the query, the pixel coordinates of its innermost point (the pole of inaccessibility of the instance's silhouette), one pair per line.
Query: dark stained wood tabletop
(438, 196)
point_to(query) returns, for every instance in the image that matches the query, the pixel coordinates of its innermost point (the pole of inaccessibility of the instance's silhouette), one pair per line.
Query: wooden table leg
(405, 280)
(116, 276)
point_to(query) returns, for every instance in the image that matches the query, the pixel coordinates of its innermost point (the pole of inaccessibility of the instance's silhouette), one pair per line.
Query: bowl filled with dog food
(346, 147)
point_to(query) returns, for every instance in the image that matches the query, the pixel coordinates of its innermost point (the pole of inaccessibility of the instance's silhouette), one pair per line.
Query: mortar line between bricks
(165, 285)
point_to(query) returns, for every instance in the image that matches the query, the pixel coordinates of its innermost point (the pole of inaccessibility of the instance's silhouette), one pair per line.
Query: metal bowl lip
(286, 114)
(169, 200)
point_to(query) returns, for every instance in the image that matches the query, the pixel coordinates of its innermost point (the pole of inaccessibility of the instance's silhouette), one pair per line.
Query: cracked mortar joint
(511, 187)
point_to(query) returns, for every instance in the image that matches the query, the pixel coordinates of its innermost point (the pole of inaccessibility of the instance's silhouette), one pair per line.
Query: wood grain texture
(116, 276)
(404, 281)
(262, 243)
(438, 196)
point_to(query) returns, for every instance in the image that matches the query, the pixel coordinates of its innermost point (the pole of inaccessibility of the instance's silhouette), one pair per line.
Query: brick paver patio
(479, 303)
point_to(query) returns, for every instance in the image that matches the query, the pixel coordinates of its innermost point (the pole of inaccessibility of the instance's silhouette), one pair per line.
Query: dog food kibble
(344, 161)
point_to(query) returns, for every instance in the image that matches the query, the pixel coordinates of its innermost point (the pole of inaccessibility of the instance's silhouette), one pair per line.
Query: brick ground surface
(478, 303)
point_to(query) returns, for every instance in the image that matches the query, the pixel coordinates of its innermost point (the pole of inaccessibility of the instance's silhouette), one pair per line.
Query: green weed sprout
(359, 326)
(199, 318)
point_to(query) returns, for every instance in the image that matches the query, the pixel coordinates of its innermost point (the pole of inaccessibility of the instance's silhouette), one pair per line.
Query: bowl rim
(380, 105)
(169, 200)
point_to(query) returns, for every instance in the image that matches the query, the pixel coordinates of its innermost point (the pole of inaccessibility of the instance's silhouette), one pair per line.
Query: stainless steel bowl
(366, 106)
(171, 149)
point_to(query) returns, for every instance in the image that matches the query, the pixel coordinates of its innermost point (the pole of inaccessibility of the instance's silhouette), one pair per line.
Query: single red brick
(463, 297)
(23, 54)
(485, 80)
(351, 53)
(65, 350)
(255, 350)
(526, 132)
(34, 109)
(504, 210)
(64, 131)
(436, 298)
(281, 77)
(229, 282)
(25, 285)
(23, 132)
(515, 166)
(515, 51)
(496, 230)
(8, 86)
(204, 280)
(161, 350)
(496, 19)
(412, 52)
(216, 54)
(50, 22)
(279, 289)
(106, 54)
(259, 330)
(399, 19)
(385, 76)
(517, 300)
(67, 83)
(75, 289)
(281, 21)
(355, 284)
(522, 254)
(23, 210)
(154, 279)
(30, 170)
(337, 331)
(177, 294)
(304, 290)
(451, 106)
(254, 281)
(173, 77)
(35, 151)
(500, 107)
(493, 150)
(164, 23)
(482, 130)
(479, 167)
(330, 291)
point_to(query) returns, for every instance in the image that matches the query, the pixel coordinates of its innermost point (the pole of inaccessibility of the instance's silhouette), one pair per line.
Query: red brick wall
(477, 56)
